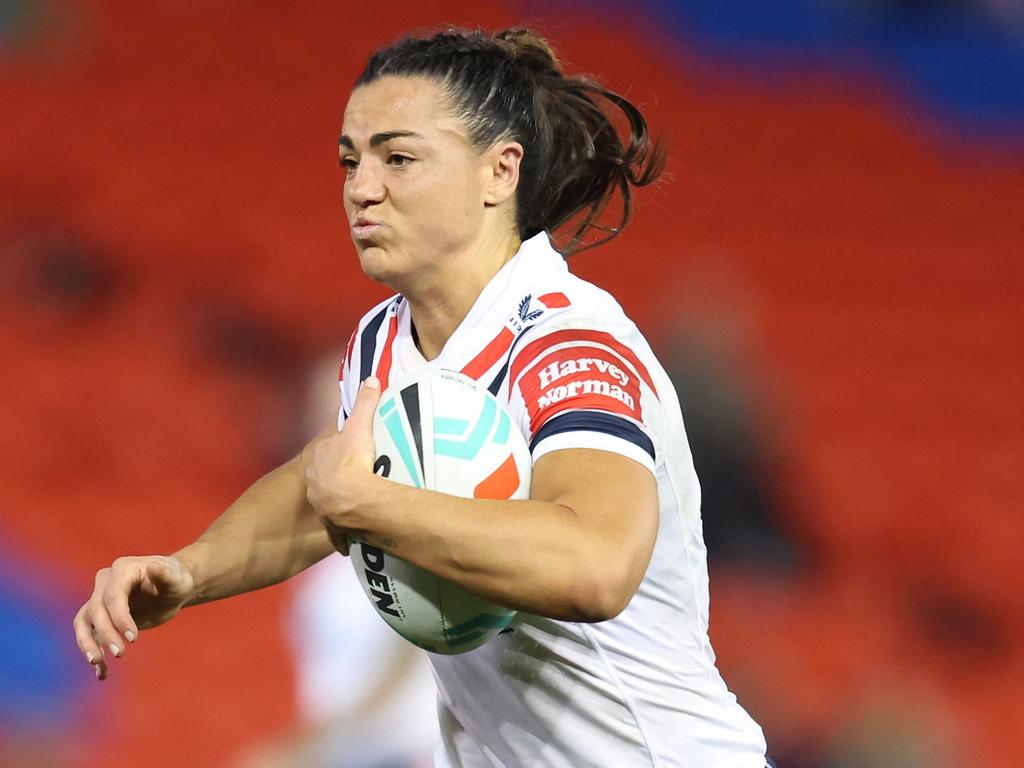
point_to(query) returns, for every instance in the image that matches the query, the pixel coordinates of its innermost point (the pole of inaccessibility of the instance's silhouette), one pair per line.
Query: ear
(505, 158)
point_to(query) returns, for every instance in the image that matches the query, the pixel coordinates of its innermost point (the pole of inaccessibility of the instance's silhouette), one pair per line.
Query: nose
(365, 186)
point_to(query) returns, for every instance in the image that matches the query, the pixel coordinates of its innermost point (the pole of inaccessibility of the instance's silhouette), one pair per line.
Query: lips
(363, 229)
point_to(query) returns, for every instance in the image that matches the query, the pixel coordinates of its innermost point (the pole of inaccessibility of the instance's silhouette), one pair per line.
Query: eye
(399, 161)
(349, 163)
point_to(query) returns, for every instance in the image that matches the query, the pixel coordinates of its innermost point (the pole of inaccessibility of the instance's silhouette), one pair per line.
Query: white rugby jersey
(641, 689)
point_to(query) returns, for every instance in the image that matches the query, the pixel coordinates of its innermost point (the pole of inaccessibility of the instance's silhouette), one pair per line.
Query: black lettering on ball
(373, 557)
(377, 580)
(382, 466)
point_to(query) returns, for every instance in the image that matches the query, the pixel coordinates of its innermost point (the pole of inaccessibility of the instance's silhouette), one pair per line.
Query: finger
(361, 417)
(107, 636)
(84, 637)
(102, 671)
(115, 601)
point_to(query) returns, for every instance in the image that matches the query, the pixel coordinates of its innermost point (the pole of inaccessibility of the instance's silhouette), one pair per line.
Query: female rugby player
(462, 153)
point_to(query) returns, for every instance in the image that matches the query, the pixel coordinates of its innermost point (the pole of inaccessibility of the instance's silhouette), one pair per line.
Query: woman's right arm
(268, 535)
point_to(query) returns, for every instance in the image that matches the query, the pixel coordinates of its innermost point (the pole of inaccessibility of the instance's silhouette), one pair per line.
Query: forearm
(268, 535)
(576, 550)
(531, 555)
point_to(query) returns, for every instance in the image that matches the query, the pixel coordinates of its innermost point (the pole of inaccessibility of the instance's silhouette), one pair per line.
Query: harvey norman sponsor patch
(579, 378)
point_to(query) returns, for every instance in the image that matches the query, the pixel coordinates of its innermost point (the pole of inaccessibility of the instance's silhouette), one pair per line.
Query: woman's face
(415, 188)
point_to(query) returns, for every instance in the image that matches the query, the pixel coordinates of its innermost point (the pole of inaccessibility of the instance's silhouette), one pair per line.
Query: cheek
(447, 219)
(451, 201)
(346, 204)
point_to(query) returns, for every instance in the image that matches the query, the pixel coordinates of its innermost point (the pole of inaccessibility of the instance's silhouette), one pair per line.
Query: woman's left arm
(576, 550)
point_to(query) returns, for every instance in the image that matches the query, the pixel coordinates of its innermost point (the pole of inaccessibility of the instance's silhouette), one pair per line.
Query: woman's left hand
(339, 468)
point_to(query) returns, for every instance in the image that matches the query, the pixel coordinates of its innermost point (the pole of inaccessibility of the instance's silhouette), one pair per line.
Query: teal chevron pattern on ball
(442, 431)
(504, 427)
(468, 447)
(450, 427)
(393, 422)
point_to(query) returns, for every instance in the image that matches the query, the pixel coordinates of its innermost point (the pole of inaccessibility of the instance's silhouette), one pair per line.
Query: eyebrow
(379, 138)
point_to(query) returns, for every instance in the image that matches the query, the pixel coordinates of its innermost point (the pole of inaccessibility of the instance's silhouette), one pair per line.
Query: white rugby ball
(442, 431)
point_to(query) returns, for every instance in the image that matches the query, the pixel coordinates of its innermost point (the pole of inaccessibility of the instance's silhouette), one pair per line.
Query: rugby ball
(441, 431)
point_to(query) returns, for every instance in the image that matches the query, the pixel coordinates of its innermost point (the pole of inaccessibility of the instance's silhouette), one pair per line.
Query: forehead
(393, 103)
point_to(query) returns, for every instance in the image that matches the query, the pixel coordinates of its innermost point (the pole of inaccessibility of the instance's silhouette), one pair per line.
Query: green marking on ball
(393, 422)
(504, 426)
(456, 427)
(468, 448)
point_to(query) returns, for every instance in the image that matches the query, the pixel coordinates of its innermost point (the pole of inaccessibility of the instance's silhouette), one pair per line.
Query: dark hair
(511, 86)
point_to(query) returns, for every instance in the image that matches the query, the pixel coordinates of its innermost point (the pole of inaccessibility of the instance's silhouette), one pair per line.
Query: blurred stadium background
(833, 272)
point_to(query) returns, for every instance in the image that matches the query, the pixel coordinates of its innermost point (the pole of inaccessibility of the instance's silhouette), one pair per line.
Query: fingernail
(115, 650)
(372, 382)
(90, 657)
(97, 673)
(129, 636)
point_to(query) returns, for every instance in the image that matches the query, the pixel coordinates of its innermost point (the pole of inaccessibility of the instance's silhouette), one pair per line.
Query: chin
(375, 262)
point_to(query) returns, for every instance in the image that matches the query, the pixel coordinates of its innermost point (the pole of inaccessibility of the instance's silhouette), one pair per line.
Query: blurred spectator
(703, 350)
(741, 525)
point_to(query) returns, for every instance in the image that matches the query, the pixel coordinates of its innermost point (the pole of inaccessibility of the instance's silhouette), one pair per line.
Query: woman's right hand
(133, 593)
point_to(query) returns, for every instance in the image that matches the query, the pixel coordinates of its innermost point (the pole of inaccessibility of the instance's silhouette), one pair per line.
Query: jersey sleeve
(368, 352)
(346, 380)
(584, 387)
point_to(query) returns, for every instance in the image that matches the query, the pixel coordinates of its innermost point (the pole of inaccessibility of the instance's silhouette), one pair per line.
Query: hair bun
(529, 48)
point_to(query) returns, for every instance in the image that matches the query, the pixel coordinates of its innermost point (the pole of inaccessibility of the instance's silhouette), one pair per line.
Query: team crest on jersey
(524, 314)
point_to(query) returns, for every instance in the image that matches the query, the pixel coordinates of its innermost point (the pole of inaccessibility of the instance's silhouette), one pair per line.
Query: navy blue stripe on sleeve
(595, 421)
(368, 343)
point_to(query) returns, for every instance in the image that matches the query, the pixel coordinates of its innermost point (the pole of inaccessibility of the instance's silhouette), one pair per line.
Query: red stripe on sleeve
(384, 367)
(536, 348)
(347, 360)
(490, 354)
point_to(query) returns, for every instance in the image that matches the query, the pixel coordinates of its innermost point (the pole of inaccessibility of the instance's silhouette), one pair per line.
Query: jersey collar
(499, 304)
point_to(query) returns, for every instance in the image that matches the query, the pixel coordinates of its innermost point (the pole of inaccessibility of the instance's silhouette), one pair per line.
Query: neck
(439, 307)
